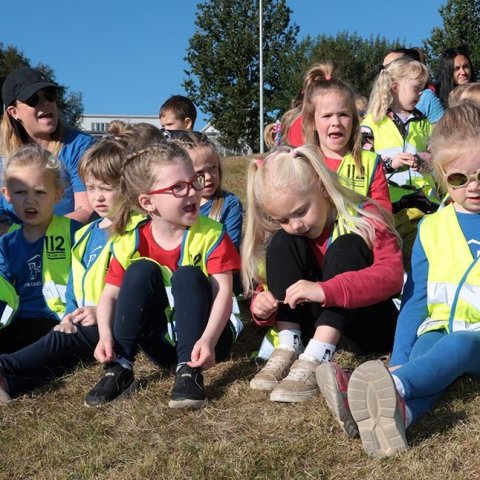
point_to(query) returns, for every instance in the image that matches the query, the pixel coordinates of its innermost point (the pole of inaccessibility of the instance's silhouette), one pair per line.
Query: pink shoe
(333, 382)
(378, 409)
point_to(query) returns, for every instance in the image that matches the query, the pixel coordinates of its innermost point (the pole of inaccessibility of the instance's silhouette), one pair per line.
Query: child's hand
(104, 351)
(402, 159)
(264, 305)
(203, 355)
(304, 291)
(85, 316)
(66, 326)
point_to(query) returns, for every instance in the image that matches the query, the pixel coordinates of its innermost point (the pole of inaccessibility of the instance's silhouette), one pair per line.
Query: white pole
(260, 26)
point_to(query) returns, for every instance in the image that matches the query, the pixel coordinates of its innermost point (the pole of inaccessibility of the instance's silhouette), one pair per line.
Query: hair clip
(294, 153)
(259, 162)
(328, 78)
(277, 132)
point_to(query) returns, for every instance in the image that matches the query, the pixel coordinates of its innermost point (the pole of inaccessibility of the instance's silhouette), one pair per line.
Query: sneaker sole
(263, 385)
(128, 392)
(187, 403)
(292, 397)
(327, 382)
(4, 397)
(372, 397)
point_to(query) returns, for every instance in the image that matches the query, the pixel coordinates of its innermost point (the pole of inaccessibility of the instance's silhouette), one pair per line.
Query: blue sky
(126, 57)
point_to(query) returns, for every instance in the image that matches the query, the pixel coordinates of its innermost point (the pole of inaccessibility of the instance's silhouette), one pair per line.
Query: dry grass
(239, 435)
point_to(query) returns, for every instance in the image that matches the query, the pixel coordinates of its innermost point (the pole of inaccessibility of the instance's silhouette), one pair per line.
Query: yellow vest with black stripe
(453, 290)
(88, 282)
(349, 176)
(56, 263)
(388, 142)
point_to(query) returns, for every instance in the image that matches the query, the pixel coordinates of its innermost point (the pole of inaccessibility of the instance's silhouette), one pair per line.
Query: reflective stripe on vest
(359, 182)
(56, 263)
(453, 289)
(8, 296)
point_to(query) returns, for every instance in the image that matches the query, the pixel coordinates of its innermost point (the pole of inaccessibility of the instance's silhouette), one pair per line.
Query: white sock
(291, 338)
(124, 362)
(321, 351)
(401, 390)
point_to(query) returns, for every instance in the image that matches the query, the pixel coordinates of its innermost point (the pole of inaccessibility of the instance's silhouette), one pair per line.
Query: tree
(69, 103)
(223, 55)
(461, 26)
(358, 59)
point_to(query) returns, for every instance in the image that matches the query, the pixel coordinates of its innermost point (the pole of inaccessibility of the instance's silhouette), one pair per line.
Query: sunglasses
(49, 94)
(182, 189)
(460, 179)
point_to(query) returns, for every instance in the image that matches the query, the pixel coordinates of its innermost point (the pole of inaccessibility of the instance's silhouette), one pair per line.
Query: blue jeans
(437, 359)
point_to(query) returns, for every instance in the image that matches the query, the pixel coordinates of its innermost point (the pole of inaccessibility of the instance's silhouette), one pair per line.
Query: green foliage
(69, 103)
(224, 75)
(358, 59)
(461, 26)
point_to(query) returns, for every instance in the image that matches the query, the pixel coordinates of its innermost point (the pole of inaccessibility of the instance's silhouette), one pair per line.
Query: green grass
(239, 435)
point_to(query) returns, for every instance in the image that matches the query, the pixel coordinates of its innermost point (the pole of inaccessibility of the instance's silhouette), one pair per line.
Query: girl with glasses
(169, 286)
(438, 332)
(31, 115)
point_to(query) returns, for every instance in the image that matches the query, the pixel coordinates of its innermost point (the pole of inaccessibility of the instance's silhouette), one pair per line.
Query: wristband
(387, 163)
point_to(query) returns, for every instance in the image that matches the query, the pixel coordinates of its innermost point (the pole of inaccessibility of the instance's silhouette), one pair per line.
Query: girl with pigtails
(333, 261)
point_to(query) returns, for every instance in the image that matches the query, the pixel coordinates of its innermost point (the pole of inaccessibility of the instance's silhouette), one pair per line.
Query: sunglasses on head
(182, 189)
(49, 94)
(460, 179)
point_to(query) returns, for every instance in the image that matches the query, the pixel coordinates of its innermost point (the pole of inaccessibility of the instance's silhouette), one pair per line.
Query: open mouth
(190, 208)
(46, 115)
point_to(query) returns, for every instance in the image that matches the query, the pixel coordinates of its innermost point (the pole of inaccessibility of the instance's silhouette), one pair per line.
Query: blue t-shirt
(75, 143)
(21, 265)
(231, 216)
(414, 302)
(430, 105)
(95, 244)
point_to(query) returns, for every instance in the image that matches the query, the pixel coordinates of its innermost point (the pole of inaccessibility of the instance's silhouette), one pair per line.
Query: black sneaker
(188, 390)
(116, 382)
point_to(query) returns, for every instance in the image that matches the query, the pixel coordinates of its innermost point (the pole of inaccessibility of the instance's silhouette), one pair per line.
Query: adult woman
(31, 115)
(454, 68)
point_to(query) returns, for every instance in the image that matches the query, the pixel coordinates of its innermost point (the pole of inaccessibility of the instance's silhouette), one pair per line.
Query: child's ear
(145, 201)
(6, 194)
(59, 194)
(188, 123)
(395, 87)
(322, 189)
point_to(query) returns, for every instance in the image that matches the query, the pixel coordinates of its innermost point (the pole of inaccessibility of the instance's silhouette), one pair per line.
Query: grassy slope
(239, 435)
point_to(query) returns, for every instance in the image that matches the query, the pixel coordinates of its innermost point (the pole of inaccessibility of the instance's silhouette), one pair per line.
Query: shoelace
(276, 362)
(299, 373)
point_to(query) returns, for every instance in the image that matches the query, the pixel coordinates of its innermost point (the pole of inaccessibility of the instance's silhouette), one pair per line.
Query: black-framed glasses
(182, 189)
(460, 179)
(49, 93)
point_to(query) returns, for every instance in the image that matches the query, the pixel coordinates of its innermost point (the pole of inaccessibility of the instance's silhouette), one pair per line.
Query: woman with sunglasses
(177, 257)
(438, 331)
(454, 68)
(31, 115)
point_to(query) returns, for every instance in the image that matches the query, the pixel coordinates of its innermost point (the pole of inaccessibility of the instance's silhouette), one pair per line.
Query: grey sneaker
(333, 383)
(275, 370)
(378, 409)
(300, 383)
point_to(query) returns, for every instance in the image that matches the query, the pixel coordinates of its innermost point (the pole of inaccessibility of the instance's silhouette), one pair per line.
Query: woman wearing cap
(31, 115)
(454, 68)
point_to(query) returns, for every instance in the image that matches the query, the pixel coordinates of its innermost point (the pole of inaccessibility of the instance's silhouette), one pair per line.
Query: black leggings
(290, 258)
(140, 319)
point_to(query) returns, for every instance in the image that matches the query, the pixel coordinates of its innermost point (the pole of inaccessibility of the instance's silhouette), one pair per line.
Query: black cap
(22, 83)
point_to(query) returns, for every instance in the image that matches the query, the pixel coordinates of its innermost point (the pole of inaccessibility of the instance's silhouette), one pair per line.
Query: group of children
(321, 257)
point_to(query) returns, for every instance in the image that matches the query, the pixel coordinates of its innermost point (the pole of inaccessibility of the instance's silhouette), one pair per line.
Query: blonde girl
(177, 256)
(35, 257)
(331, 267)
(438, 332)
(216, 203)
(331, 122)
